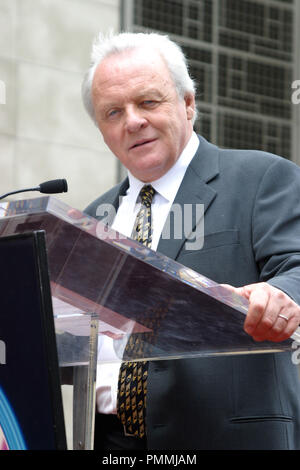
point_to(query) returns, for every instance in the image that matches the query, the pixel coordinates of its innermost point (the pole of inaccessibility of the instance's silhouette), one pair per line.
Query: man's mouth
(140, 143)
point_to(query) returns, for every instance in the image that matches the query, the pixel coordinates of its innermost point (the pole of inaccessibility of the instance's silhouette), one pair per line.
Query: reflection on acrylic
(3, 442)
(11, 437)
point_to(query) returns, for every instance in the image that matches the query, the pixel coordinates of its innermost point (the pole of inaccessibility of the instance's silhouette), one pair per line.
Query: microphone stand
(48, 187)
(19, 191)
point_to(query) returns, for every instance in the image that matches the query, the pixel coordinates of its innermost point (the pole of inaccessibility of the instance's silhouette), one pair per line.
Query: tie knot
(147, 193)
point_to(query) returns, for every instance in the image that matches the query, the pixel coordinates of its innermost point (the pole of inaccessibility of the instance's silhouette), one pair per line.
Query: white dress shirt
(166, 189)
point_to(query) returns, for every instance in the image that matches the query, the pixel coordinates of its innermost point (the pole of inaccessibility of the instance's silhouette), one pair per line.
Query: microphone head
(54, 186)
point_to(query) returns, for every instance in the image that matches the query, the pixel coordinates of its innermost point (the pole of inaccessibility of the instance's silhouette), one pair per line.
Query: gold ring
(283, 316)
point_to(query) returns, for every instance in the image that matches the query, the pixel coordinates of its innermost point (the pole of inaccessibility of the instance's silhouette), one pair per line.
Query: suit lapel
(194, 190)
(112, 202)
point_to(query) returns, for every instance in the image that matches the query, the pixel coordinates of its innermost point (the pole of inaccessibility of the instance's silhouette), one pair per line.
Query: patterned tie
(132, 386)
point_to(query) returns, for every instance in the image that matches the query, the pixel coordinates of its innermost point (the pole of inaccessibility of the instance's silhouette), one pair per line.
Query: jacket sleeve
(276, 227)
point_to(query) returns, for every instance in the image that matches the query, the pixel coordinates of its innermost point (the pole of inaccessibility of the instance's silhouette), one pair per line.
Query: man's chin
(148, 175)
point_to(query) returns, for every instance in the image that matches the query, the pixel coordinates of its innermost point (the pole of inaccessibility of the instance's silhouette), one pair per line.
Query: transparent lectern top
(167, 310)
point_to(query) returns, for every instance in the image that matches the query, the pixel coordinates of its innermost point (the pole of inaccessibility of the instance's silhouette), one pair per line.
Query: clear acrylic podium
(106, 285)
(39, 354)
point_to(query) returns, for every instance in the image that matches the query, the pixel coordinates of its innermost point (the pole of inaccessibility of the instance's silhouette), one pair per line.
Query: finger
(286, 324)
(75, 214)
(258, 301)
(236, 290)
(269, 324)
(229, 287)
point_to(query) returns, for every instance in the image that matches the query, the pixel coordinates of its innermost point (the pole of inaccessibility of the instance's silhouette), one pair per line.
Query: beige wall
(45, 132)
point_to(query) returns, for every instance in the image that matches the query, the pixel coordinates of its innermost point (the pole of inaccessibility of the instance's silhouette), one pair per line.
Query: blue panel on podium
(31, 413)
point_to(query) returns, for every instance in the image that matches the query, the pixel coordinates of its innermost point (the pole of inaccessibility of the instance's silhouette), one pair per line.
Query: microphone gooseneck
(48, 187)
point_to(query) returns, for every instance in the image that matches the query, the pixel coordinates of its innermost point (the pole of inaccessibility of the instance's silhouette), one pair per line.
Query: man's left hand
(272, 315)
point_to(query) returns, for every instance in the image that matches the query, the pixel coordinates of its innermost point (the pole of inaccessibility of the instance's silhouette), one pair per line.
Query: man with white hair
(139, 93)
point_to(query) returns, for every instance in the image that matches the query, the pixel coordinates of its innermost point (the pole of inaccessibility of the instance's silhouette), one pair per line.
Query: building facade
(243, 55)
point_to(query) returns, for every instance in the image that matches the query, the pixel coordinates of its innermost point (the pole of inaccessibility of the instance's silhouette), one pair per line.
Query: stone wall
(45, 132)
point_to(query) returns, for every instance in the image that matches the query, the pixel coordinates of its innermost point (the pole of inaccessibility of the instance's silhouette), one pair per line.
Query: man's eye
(112, 112)
(148, 103)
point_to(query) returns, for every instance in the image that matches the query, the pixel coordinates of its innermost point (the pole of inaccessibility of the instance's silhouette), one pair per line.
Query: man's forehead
(132, 64)
(133, 58)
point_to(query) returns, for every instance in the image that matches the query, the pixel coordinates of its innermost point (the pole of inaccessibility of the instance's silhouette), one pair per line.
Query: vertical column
(296, 77)
(215, 71)
(126, 23)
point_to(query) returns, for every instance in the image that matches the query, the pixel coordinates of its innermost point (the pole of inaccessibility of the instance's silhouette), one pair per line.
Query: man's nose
(134, 120)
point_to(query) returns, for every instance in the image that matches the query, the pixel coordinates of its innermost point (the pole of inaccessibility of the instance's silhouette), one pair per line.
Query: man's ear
(190, 105)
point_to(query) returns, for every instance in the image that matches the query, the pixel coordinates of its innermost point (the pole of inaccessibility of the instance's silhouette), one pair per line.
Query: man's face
(139, 113)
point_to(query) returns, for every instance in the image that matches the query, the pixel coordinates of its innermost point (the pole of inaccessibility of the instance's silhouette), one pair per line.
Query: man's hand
(272, 315)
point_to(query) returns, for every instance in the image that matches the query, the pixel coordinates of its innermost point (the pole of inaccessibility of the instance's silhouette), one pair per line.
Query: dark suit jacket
(252, 234)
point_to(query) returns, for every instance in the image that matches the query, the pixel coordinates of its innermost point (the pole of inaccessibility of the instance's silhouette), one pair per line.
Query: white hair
(172, 54)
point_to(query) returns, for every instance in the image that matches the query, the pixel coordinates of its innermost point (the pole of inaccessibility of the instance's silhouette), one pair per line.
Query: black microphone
(54, 186)
(48, 187)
